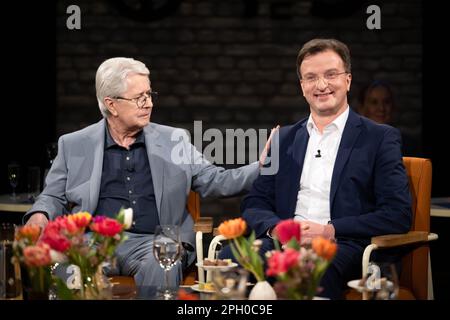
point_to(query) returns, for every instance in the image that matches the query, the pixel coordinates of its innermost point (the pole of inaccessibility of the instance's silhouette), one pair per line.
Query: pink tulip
(281, 262)
(106, 226)
(53, 237)
(37, 256)
(286, 230)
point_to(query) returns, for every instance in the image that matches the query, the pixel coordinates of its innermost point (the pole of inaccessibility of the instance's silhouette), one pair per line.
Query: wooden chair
(415, 278)
(124, 287)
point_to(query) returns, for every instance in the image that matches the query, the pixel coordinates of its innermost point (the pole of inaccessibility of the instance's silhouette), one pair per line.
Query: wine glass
(167, 251)
(13, 176)
(382, 282)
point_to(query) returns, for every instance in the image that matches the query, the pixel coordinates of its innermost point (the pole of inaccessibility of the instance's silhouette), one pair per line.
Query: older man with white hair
(125, 161)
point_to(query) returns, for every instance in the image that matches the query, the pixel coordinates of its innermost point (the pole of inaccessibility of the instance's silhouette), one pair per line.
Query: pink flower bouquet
(297, 268)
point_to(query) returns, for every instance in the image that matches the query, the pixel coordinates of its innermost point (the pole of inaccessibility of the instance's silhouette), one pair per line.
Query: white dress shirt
(313, 199)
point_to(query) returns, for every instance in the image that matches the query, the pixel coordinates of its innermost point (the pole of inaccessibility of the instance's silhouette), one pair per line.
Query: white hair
(110, 80)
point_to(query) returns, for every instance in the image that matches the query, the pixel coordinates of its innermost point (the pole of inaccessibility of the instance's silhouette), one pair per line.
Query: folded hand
(312, 229)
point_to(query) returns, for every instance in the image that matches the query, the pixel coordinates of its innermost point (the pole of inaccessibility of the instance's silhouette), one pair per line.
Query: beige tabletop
(20, 205)
(440, 207)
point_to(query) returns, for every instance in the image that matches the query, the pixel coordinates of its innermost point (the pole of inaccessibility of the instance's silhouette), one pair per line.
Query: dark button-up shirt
(127, 182)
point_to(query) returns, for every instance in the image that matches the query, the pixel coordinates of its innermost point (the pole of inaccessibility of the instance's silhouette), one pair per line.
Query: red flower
(106, 226)
(286, 230)
(281, 262)
(53, 237)
(37, 256)
(67, 225)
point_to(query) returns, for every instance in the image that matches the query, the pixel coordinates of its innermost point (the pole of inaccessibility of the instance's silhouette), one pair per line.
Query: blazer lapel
(154, 152)
(98, 146)
(351, 132)
(297, 153)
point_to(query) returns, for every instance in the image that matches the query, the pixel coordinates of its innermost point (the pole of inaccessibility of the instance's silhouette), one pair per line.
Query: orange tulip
(81, 219)
(324, 248)
(233, 228)
(31, 232)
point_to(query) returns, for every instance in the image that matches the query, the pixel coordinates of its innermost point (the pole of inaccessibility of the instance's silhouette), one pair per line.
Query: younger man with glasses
(339, 173)
(126, 161)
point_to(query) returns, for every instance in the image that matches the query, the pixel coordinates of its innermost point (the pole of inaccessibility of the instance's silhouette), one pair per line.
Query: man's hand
(38, 219)
(311, 230)
(263, 156)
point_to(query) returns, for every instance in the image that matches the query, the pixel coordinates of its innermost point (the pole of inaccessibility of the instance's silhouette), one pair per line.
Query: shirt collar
(111, 143)
(338, 123)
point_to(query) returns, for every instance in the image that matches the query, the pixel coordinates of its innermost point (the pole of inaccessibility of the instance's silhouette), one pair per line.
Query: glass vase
(96, 286)
(36, 283)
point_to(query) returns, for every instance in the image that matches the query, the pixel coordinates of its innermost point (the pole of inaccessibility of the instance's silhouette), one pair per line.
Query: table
(440, 224)
(440, 207)
(20, 205)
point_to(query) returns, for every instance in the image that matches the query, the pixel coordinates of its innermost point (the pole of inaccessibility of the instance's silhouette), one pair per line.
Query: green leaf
(293, 243)
(64, 293)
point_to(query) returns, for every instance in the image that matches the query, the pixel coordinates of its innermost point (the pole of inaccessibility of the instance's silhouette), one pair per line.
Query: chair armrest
(204, 224)
(395, 240)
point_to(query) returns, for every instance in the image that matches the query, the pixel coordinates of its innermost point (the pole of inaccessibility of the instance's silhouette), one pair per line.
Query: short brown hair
(315, 46)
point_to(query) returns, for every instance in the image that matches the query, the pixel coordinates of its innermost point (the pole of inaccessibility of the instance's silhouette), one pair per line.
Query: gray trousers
(135, 258)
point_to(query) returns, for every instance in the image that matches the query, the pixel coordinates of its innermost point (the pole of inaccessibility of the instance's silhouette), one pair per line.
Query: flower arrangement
(35, 256)
(298, 269)
(244, 250)
(65, 240)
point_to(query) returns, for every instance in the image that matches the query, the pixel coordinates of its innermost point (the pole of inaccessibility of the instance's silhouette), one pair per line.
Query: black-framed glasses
(328, 76)
(141, 101)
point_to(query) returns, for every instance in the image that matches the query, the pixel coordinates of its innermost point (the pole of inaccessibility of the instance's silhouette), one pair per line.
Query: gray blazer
(73, 182)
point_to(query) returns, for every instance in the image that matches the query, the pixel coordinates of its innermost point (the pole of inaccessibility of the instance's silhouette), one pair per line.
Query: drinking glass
(230, 284)
(167, 250)
(14, 177)
(382, 282)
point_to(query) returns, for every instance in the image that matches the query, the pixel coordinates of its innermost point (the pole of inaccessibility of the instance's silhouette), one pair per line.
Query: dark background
(230, 64)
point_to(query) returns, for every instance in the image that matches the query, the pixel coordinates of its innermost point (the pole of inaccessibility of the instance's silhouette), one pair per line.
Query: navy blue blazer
(369, 188)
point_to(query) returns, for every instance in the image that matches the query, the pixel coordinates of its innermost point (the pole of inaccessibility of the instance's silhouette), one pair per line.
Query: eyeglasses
(312, 79)
(141, 101)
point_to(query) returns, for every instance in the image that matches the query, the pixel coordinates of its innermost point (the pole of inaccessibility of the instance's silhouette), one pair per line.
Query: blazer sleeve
(211, 180)
(258, 206)
(392, 210)
(52, 200)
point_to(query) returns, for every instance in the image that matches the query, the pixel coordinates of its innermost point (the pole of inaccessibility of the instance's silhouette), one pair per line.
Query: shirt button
(134, 201)
(128, 178)
(128, 158)
(130, 192)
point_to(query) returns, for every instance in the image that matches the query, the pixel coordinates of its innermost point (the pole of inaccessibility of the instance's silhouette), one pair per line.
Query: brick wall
(232, 63)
